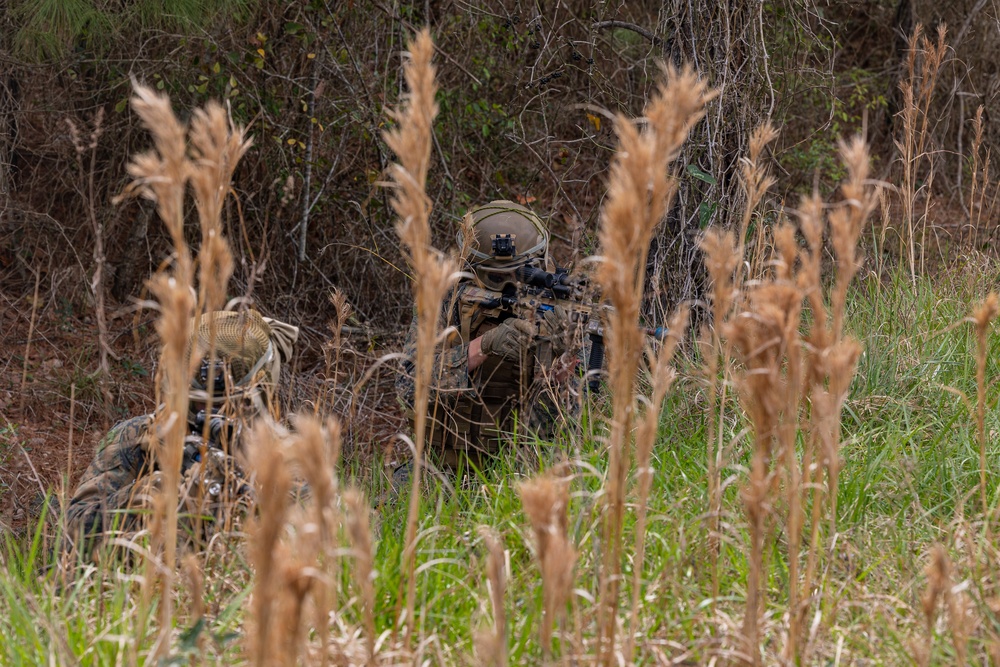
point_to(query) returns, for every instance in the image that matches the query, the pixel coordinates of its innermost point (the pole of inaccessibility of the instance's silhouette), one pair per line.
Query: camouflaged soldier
(122, 479)
(488, 371)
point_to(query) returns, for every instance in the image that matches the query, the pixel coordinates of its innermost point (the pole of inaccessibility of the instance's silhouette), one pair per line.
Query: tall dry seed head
(491, 646)
(411, 140)
(333, 349)
(216, 148)
(793, 383)
(755, 178)
(834, 364)
(724, 261)
(546, 503)
(316, 452)
(982, 319)
(162, 175)
(974, 203)
(639, 191)
(294, 547)
(764, 336)
(847, 222)
(918, 92)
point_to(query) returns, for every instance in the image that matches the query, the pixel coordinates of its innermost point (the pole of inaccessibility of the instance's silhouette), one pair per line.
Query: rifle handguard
(595, 363)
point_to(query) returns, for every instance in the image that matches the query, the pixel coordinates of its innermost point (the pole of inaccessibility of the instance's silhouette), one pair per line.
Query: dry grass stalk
(938, 573)
(546, 503)
(721, 261)
(755, 180)
(216, 147)
(663, 376)
(918, 91)
(977, 142)
(788, 249)
(333, 349)
(294, 547)
(833, 356)
(359, 528)
(467, 233)
(27, 344)
(411, 140)
(97, 284)
(724, 260)
(196, 586)
(492, 646)
(639, 190)
(316, 450)
(959, 623)
(162, 176)
(783, 372)
(763, 337)
(273, 482)
(982, 318)
(846, 225)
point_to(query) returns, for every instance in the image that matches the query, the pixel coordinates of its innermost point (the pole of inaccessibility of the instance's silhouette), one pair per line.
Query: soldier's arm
(450, 374)
(476, 354)
(107, 484)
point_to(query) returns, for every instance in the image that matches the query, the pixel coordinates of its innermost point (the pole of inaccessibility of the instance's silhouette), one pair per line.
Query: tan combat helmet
(508, 236)
(249, 350)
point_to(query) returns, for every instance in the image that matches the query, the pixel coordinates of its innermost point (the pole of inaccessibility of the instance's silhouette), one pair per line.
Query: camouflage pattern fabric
(121, 482)
(122, 458)
(474, 413)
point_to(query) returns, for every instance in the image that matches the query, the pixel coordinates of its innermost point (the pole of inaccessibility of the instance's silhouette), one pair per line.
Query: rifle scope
(535, 277)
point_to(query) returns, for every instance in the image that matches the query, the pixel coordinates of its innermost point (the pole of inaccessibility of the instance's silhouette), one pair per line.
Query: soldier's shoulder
(141, 422)
(127, 430)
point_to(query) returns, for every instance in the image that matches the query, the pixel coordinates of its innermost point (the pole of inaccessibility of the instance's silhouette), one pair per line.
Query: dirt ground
(53, 411)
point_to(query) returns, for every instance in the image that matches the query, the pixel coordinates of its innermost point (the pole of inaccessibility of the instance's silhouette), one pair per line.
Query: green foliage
(49, 29)
(844, 115)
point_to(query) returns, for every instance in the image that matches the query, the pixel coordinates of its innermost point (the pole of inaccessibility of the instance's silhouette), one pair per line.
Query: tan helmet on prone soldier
(249, 350)
(508, 236)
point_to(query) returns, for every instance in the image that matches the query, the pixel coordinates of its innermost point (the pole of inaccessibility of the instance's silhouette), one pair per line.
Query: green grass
(909, 480)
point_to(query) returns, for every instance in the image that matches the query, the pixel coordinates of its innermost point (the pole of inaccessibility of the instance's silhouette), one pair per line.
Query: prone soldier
(227, 394)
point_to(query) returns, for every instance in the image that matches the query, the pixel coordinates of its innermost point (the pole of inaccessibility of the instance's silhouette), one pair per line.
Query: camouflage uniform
(121, 481)
(122, 458)
(472, 414)
(238, 382)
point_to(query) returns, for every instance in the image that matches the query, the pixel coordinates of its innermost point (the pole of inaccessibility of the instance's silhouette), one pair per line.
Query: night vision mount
(503, 245)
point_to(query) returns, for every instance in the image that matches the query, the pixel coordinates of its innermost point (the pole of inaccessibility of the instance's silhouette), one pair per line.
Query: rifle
(537, 291)
(222, 435)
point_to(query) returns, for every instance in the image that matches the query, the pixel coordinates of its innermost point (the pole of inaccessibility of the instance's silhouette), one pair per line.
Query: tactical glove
(512, 340)
(220, 429)
(555, 328)
(192, 452)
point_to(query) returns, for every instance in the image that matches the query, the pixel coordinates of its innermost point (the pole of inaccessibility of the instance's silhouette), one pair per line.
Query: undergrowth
(909, 481)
